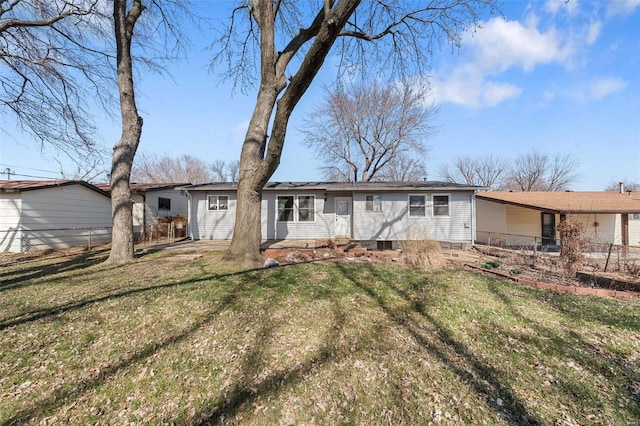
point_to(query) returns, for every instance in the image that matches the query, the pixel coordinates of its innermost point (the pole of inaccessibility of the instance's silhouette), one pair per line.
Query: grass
(168, 341)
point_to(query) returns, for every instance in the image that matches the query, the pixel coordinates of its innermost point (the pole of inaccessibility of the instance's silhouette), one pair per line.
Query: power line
(28, 168)
(10, 173)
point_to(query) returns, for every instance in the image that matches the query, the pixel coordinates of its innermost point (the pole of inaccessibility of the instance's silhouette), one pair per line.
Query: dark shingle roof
(343, 186)
(8, 186)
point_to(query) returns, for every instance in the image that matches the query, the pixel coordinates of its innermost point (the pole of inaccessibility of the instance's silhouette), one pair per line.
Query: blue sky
(554, 76)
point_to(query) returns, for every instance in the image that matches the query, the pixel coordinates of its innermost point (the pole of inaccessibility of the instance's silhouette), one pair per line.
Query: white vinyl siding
(321, 227)
(212, 224)
(10, 234)
(394, 223)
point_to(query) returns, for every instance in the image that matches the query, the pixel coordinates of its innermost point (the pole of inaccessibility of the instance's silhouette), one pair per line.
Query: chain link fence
(24, 240)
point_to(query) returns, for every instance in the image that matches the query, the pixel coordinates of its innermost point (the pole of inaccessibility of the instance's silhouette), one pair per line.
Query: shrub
(572, 244)
(421, 251)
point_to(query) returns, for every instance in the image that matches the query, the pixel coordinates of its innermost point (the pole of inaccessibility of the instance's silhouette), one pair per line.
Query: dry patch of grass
(201, 342)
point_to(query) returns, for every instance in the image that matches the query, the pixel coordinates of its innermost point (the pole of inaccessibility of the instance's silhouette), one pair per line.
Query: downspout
(189, 200)
(473, 217)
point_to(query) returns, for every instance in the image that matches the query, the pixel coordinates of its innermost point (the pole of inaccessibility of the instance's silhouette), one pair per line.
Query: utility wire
(27, 168)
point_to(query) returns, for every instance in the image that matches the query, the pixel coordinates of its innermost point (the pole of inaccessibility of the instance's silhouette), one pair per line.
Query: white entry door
(343, 217)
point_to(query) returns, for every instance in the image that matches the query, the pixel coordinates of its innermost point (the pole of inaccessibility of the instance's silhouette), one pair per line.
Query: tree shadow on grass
(484, 379)
(61, 398)
(248, 391)
(571, 346)
(13, 279)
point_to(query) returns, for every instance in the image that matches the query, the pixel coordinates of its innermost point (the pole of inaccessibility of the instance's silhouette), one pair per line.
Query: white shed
(52, 214)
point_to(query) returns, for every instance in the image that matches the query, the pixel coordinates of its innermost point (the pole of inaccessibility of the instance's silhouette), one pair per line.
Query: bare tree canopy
(627, 185)
(532, 171)
(362, 132)
(184, 168)
(389, 38)
(49, 67)
(488, 171)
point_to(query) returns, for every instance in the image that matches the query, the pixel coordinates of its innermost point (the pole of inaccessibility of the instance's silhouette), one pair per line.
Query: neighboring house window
(218, 202)
(285, 208)
(306, 208)
(634, 216)
(373, 203)
(164, 203)
(441, 205)
(417, 205)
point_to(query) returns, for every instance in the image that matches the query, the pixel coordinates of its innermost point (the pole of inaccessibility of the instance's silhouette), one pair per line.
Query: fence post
(89, 239)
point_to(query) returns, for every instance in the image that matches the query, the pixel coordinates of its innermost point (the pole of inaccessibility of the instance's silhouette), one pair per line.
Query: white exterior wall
(609, 229)
(66, 213)
(634, 231)
(492, 220)
(178, 204)
(394, 222)
(212, 224)
(10, 235)
(322, 227)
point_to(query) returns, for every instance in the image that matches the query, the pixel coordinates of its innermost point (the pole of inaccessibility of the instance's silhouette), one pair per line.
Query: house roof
(146, 187)
(343, 186)
(13, 186)
(568, 202)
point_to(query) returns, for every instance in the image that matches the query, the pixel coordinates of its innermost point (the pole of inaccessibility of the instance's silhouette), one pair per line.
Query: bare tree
(536, 171)
(627, 185)
(159, 30)
(362, 129)
(485, 171)
(395, 36)
(404, 168)
(182, 169)
(48, 69)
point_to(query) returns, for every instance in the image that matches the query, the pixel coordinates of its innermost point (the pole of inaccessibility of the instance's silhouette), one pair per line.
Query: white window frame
(217, 208)
(373, 208)
(293, 208)
(424, 205)
(296, 208)
(433, 203)
(634, 216)
(312, 208)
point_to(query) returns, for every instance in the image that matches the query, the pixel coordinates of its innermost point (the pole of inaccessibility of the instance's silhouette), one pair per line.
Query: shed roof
(13, 186)
(568, 202)
(343, 186)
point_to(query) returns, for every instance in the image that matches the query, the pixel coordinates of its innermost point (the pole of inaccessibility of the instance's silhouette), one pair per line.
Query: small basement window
(164, 203)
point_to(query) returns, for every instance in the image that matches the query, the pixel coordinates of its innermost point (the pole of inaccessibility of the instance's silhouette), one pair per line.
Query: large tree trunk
(125, 150)
(257, 161)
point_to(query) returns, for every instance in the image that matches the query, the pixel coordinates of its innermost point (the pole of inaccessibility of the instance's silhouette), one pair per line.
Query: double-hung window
(306, 208)
(218, 202)
(417, 205)
(301, 208)
(373, 203)
(440, 205)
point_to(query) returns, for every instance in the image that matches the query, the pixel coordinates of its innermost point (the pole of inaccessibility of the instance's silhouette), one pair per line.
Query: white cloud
(497, 47)
(554, 6)
(622, 7)
(501, 44)
(593, 32)
(603, 87)
(548, 95)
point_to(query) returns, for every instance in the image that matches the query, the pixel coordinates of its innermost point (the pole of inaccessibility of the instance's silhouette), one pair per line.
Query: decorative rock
(271, 263)
(291, 258)
(364, 259)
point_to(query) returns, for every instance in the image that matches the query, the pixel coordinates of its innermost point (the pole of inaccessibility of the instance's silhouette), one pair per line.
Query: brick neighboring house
(518, 218)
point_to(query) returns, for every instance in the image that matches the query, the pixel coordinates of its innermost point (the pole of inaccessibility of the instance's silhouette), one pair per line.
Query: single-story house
(153, 201)
(376, 214)
(531, 218)
(52, 214)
